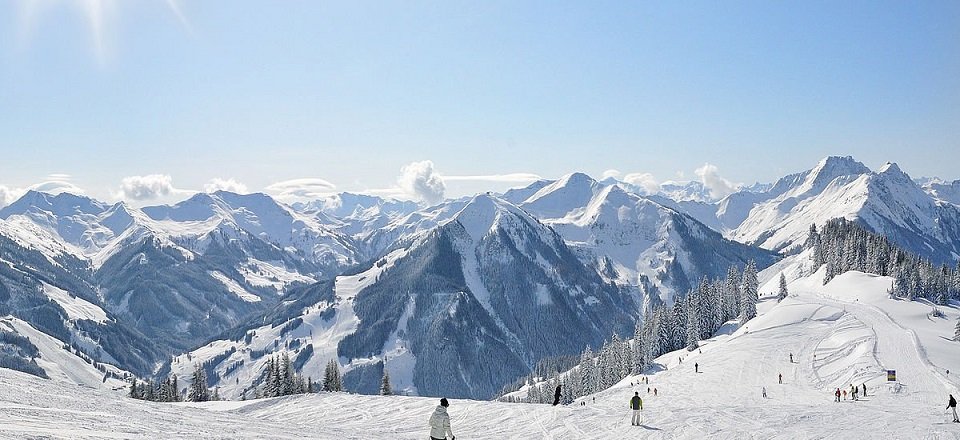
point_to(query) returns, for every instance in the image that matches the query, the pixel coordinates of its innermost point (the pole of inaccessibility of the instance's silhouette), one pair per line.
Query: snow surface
(60, 364)
(234, 287)
(76, 307)
(842, 333)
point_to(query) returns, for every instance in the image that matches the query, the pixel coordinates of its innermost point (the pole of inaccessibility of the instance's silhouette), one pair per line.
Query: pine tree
(956, 334)
(332, 380)
(748, 292)
(133, 388)
(782, 294)
(385, 388)
(588, 372)
(198, 388)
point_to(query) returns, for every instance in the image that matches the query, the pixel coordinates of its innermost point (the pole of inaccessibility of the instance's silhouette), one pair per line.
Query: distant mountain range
(428, 293)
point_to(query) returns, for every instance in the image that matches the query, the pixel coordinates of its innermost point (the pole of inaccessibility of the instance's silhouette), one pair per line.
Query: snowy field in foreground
(842, 333)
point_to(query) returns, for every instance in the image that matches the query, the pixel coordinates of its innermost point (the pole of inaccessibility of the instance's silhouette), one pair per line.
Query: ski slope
(842, 333)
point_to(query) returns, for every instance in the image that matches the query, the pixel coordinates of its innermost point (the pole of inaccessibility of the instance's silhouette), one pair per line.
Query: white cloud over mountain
(422, 182)
(719, 187)
(147, 187)
(231, 184)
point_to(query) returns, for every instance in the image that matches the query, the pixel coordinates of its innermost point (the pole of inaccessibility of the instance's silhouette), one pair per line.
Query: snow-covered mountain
(636, 240)
(491, 282)
(427, 293)
(887, 201)
(49, 299)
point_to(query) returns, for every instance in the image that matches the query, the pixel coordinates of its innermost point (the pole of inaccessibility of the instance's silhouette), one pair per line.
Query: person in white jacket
(440, 423)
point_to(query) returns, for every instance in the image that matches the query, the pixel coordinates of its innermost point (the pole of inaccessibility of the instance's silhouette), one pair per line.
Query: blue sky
(341, 96)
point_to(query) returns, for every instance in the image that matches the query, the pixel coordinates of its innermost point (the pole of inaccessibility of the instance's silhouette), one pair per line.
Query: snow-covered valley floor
(846, 332)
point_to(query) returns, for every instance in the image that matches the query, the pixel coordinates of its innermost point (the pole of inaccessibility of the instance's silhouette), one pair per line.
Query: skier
(440, 423)
(556, 396)
(696, 368)
(837, 394)
(648, 390)
(952, 404)
(844, 394)
(780, 378)
(864, 389)
(764, 392)
(654, 392)
(636, 403)
(791, 358)
(853, 392)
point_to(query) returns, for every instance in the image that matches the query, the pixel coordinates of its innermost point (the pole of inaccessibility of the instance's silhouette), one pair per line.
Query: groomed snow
(845, 332)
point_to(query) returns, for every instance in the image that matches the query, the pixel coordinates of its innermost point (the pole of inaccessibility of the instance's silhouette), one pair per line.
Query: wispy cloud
(499, 178)
(309, 188)
(52, 184)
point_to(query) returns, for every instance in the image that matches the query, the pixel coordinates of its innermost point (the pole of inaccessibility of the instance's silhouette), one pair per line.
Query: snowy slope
(62, 364)
(887, 201)
(842, 333)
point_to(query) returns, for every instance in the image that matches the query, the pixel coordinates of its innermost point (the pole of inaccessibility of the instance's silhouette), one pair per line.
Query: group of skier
(854, 392)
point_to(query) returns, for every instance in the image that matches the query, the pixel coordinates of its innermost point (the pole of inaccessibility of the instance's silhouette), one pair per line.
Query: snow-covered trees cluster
(844, 245)
(280, 379)
(696, 316)
(332, 380)
(164, 391)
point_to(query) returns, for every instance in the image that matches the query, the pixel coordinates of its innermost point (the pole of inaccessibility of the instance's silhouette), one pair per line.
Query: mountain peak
(560, 197)
(840, 166)
(483, 213)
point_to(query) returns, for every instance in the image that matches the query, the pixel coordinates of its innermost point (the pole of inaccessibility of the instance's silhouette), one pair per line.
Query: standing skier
(844, 394)
(791, 358)
(636, 403)
(654, 392)
(952, 404)
(556, 396)
(780, 378)
(440, 423)
(837, 394)
(864, 389)
(853, 392)
(764, 392)
(696, 367)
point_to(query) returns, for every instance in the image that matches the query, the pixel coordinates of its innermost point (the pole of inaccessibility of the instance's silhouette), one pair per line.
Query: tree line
(691, 318)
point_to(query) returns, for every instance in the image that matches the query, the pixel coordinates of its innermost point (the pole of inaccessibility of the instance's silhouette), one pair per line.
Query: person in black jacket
(556, 396)
(636, 404)
(952, 404)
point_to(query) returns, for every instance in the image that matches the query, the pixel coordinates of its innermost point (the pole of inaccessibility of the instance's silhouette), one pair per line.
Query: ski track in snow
(852, 341)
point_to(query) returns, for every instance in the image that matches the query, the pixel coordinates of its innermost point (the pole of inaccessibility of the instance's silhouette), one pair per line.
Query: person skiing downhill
(556, 396)
(636, 404)
(696, 368)
(791, 358)
(440, 423)
(864, 389)
(764, 392)
(952, 404)
(780, 377)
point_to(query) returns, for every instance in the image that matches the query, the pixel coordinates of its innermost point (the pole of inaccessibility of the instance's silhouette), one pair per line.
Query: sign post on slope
(891, 375)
